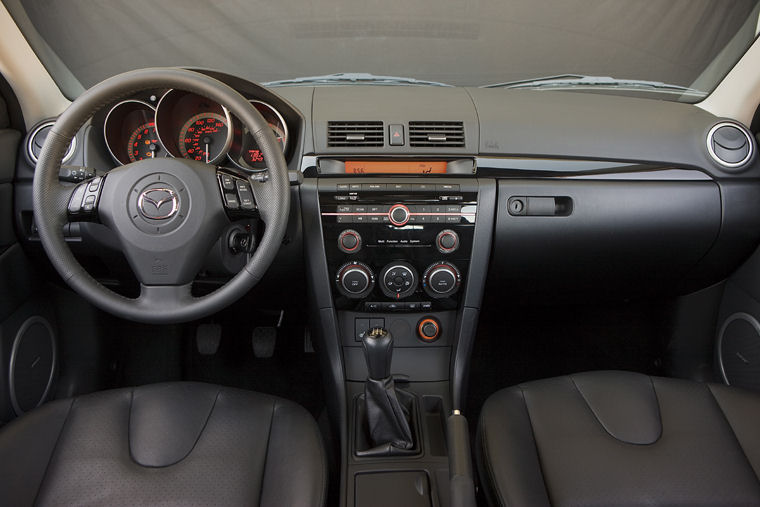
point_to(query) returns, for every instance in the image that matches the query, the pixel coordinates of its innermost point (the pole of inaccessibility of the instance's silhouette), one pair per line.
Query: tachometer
(203, 137)
(130, 132)
(143, 143)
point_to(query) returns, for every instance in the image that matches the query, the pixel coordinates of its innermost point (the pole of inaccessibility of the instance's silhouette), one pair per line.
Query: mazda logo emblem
(158, 203)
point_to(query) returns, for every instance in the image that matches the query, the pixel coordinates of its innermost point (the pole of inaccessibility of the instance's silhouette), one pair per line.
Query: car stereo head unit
(330, 166)
(398, 243)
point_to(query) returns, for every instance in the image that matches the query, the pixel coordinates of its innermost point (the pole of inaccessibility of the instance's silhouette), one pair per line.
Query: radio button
(399, 214)
(344, 208)
(449, 187)
(349, 241)
(374, 187)
(355, 186)
(447, 241)
(423, 187)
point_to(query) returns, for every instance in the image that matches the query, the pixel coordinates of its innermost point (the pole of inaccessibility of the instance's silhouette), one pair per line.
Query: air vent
(729, 145)
(355, 133)
(449, 134)
(36, 141)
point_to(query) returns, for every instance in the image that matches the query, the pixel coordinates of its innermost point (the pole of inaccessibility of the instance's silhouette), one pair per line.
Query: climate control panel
(398, 244)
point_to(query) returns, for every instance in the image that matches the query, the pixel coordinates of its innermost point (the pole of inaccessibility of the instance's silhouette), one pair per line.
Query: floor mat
(290, 373)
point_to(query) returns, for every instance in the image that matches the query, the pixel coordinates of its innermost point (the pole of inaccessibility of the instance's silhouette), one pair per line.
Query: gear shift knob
(378, 352)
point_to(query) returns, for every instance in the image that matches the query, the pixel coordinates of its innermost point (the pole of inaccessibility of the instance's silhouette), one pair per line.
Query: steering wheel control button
(231, 201)
(428, 329)
(399, 215)
(228, 183)
(447, 241)
(349, 241)
(441, 279)
(355, 280)
(398, 280)
(237, 193)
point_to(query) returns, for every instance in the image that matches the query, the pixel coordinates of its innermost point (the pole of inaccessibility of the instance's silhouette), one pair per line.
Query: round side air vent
(37, 139)
(729, 145)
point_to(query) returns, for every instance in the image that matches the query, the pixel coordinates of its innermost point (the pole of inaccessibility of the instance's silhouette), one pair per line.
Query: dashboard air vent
(449, 134)
(729, 145)
(36, 140)
(355, 133)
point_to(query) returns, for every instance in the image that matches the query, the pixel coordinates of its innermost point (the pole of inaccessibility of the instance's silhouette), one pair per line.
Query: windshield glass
(685, 43)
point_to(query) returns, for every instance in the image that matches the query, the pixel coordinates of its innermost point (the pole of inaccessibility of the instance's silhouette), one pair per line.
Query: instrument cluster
(183, 124)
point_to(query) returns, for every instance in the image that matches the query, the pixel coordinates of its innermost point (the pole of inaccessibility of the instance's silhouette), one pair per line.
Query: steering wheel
(166, 212)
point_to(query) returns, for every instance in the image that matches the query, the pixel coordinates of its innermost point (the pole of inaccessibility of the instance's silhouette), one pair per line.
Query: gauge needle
(207, 153)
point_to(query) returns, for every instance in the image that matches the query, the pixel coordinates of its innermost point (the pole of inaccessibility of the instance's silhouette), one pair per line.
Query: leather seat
(170, 444)
(615, 438)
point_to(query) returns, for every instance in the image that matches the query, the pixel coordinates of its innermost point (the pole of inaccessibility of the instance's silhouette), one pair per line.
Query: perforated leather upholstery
(616, 438)
(168, 444)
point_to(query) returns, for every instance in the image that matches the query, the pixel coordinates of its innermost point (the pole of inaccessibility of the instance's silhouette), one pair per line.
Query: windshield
(685, 43)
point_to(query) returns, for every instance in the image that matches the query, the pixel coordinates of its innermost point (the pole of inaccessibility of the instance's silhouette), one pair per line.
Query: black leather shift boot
(388, 418)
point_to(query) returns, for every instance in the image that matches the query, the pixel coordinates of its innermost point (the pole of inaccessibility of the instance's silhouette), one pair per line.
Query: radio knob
(349, 241)
(398, 280)
(355, 280)
(447, 241)
(399, 214)
(441, 280)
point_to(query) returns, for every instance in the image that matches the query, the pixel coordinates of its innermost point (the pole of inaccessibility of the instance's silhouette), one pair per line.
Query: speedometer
(203, 137)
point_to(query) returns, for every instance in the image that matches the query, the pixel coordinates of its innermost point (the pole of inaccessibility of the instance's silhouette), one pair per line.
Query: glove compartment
(605, 238)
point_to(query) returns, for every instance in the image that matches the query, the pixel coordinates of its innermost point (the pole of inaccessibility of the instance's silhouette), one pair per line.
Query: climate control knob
(399, 214)
(447, 241)
(354, 280)
(441, 280)
(398, 280)
(349, 241)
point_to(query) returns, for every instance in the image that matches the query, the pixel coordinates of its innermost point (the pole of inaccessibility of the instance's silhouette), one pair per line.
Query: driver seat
(178, 443)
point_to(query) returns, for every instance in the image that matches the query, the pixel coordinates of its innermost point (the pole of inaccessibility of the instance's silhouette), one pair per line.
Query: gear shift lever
(387, 418)
(378, 352)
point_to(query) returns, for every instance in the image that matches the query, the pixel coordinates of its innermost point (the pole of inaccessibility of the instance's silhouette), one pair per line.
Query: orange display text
(394, 167)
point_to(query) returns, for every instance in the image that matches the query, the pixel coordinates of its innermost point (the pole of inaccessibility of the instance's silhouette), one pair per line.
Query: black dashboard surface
(552, 143)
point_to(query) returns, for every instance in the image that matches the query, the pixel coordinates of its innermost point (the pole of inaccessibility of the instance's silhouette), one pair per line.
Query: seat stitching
(733, 433)
(602, 425)
(266, 456)
(205, 424)
(55, 448)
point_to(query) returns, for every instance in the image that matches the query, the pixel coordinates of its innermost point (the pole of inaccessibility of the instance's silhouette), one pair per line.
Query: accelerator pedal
(207, 338)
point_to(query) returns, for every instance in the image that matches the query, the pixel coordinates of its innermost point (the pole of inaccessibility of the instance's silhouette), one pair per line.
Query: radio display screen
(394, 167)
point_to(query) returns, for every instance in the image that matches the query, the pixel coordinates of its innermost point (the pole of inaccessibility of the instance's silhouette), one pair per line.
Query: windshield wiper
(353, 78)
(579, 81)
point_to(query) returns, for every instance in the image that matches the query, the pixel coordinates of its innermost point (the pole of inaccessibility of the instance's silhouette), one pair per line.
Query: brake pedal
(207, 338)
(263, 340)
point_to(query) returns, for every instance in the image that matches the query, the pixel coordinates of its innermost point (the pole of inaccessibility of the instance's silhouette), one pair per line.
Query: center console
(406, 254)
(398, 253)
